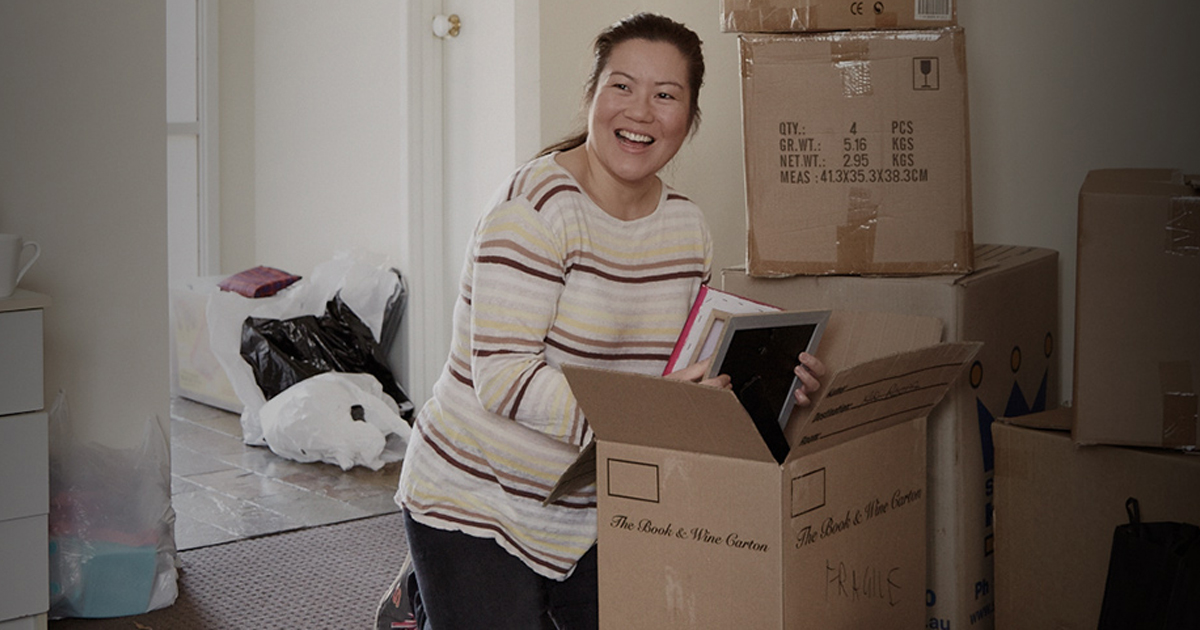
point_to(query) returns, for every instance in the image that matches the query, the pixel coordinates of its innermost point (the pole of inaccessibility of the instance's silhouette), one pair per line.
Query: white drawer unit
(24, 554)
(24, 462)
(20, 361)
(24, 465)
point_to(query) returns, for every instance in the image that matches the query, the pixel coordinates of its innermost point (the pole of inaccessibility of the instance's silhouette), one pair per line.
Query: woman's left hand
(810, 372)
(695, 373)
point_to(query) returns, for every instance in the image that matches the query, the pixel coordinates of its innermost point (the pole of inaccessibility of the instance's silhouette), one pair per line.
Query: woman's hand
(695, 373)
(810, 372)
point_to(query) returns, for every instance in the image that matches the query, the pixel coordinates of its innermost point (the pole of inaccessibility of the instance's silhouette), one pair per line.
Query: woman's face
(638, 118)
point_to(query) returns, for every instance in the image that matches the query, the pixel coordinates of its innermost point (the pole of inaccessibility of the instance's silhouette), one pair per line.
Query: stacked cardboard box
(1010, 304)
(1137, 310)
(795, 16)
(855, 134)
(1057, 505)
(857, 159)
(1059, 495)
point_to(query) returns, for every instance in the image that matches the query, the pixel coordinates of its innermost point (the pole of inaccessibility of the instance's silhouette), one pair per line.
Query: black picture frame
(759, 352)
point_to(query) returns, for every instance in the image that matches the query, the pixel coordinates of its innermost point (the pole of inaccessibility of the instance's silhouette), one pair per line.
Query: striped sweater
(549, 279)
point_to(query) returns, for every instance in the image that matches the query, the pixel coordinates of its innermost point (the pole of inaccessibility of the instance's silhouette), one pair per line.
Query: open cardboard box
(700, 526)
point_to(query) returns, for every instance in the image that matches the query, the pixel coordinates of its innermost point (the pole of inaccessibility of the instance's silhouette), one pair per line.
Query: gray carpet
(323, 578)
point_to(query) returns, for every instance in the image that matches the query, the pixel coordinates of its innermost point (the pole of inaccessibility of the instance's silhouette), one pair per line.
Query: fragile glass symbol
(925, 73)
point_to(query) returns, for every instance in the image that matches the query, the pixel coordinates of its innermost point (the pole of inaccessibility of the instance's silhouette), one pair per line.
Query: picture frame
(710, 337)
(759, 353)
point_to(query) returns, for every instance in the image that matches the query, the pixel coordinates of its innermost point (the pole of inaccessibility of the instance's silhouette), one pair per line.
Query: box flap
(882, 393)
(852, 337)
(665, 413)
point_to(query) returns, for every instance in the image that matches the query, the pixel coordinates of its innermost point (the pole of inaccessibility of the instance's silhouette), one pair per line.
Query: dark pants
(469, 583)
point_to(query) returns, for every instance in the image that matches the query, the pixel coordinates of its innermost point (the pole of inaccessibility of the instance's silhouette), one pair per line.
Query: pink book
(702, 331)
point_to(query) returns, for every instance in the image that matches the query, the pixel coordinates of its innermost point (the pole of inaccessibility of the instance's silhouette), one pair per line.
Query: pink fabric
(258, 282)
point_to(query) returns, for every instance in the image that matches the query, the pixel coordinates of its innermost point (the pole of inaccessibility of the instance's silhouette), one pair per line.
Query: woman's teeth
(635, 137)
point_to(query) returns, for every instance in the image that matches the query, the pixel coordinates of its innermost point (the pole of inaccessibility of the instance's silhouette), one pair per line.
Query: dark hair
(650, 27)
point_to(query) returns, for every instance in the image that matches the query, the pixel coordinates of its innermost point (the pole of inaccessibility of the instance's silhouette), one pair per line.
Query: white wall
(83, 173)
(1056, 89)
(329, 146)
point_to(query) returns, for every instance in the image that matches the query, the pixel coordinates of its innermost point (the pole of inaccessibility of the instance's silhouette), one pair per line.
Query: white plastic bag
(315, 420)
(112, 527)
(366, 283)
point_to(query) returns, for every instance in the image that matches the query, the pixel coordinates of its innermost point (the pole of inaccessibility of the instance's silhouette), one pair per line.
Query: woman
(586, 258)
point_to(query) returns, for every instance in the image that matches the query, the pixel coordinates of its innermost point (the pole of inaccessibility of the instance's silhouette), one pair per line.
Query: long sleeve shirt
(549, 279)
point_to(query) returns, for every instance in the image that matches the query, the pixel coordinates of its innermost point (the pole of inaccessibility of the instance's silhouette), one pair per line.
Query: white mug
(11, 269)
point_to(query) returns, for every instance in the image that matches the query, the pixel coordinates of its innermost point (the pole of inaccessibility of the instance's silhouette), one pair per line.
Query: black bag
(1153, 576)
(283, 352)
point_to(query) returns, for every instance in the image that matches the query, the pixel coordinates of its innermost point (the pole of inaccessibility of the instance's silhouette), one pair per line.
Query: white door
(487, 110)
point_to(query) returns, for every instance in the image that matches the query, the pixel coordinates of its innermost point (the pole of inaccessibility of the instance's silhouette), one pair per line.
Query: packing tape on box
(1179, 404)
(802, 17)
(852, 59)
(1183, 226)
(964, 249)
(856, 237)
(770, 19)
(747, 55)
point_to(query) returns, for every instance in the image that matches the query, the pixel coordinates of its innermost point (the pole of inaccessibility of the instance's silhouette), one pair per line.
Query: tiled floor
(224, 490)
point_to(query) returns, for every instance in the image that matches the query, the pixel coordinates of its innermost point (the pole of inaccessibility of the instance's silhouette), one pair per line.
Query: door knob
(446, 26)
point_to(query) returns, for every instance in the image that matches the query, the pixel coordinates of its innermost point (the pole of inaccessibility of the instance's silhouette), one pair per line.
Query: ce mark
(859, 8)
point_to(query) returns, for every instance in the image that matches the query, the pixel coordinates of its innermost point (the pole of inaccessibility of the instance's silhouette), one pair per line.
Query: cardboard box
(792, 16)
(1137, 310)
(699, 526)
(1010, 303)
(856, 153)
(1057, 504)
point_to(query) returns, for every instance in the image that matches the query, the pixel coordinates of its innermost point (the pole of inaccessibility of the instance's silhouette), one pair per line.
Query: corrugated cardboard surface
(720, 535)
(730, 543)
(791, 16)
(1057, 504)
(1010, 303)
(1137, 312)
(856, 153)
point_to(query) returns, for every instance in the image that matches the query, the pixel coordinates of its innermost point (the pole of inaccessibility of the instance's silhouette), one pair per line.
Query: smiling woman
(587, 258)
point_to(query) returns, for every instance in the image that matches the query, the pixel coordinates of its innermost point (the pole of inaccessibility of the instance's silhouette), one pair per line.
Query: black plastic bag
(1153, 576)
(283, 352)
